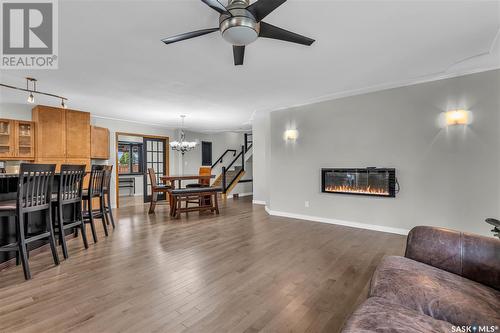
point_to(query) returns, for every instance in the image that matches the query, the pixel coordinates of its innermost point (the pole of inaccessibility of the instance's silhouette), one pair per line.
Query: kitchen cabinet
(17, 140)
(50, 125)
(99, 138)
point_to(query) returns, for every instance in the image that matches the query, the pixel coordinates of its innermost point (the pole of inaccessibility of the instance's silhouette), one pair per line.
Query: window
(130, 158)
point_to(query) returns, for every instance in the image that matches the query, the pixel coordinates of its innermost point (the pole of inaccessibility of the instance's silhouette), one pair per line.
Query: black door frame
(161, 196)
(211, 153)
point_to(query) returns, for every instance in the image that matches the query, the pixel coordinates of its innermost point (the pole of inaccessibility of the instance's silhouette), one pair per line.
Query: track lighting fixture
(32, 91)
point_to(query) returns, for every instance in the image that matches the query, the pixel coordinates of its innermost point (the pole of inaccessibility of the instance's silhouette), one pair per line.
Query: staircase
(232, 174)
(233, 177)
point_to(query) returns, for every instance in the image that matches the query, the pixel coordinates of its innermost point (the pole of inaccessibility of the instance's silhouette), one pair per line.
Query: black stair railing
(248, 141)
(221, 158)
(225, 185)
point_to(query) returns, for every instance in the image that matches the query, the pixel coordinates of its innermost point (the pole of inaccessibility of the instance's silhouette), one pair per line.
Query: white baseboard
(259, 202)
(240, 195)
(374, 227)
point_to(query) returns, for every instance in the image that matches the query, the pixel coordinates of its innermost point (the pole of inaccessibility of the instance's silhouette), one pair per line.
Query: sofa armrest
(472, 256)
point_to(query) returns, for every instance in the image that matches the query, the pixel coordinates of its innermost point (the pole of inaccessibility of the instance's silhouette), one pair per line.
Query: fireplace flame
(356, 189)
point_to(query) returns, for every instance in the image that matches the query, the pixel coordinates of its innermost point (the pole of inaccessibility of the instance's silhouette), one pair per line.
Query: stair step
(237, 180)
(230, 175)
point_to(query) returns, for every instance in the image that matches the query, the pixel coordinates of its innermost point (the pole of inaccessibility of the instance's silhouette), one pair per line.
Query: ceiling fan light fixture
(240, 36)
(240, 24)
(240, 31)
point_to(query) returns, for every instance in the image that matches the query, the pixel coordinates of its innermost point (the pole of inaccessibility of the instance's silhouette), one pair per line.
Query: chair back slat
(108, 172)
(35, 186)
(71, 183)
(152, 178)
(96, 180)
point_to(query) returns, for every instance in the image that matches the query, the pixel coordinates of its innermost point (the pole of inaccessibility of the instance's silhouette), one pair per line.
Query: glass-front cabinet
(25, 139)
(7, 138)
(17, 139)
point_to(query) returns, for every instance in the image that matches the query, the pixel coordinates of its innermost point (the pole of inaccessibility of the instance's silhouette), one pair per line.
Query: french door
(155, 156)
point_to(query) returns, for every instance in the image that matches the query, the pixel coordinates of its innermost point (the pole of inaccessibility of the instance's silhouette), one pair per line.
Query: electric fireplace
(369, 181)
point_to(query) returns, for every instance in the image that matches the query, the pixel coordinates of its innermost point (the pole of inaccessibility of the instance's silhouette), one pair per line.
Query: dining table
(179, 178)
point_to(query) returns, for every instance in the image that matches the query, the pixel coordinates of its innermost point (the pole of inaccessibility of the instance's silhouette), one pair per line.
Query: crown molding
(378, 88)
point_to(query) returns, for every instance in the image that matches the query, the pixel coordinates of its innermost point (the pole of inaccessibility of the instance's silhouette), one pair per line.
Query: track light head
(31, 98)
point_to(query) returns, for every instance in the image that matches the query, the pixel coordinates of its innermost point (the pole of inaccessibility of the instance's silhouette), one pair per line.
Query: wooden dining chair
(204, 182)
(155, 189)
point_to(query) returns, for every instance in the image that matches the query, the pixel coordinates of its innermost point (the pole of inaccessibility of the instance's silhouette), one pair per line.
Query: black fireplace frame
(393, 183)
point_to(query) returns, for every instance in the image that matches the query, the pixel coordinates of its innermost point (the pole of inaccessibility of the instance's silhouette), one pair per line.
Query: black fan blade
(262, 8)
(270, 31)
(216, 5)
(239, 55)
(188, 35)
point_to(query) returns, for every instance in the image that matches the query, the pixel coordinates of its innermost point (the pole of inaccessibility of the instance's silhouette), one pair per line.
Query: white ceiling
(113, 64)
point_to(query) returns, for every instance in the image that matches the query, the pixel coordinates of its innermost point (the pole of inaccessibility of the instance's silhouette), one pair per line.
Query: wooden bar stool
(34, 193)
(70, 193)
(95, 190)
(155, 189)
(106, 201)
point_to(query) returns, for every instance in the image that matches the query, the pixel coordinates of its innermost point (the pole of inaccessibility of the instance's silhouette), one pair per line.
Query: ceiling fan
(241, 24)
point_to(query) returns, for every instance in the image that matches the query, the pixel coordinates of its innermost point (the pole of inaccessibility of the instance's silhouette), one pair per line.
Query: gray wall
(15, 111)
(261, 157)
(220, 142)
(449, 177)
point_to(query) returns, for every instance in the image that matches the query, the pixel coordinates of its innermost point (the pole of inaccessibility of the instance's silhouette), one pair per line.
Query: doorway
(206, 153)
(135, 153)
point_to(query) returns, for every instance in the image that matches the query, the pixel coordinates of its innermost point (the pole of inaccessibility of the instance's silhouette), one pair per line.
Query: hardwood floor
(126, 201)
(242, 271)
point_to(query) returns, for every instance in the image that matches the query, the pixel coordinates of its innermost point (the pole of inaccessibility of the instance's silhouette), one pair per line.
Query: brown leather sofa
(447, 281)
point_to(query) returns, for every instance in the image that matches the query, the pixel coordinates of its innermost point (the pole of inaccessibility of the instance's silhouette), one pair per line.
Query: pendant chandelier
(182, 145)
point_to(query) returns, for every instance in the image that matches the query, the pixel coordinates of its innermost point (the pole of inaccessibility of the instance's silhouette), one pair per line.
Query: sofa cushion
(380, 315)
(435, 292)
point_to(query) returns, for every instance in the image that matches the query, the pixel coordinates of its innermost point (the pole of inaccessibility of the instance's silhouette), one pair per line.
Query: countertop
(9, 175)
(15, 175)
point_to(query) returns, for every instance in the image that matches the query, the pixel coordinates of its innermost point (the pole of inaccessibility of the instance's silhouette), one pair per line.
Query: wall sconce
(291, 135)
(458, 117)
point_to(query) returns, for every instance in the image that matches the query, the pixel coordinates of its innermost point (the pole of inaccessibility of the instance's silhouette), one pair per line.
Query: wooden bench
(205, 198)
